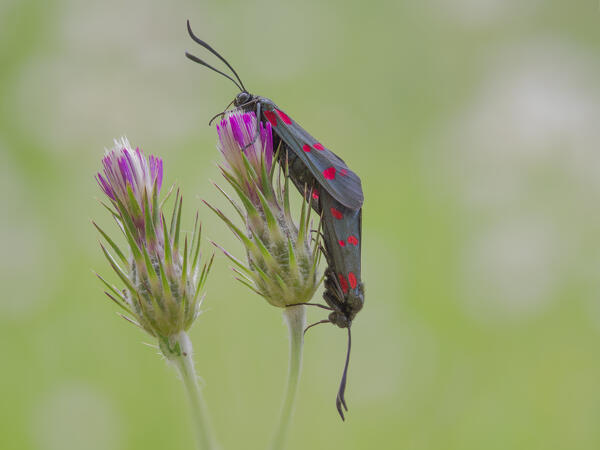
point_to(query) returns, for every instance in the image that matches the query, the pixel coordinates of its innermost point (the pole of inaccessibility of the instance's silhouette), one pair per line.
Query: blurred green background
(474, 125)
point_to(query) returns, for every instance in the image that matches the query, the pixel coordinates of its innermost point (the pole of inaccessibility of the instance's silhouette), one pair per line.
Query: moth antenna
(199, 61)
(214, 52)
(340, 401)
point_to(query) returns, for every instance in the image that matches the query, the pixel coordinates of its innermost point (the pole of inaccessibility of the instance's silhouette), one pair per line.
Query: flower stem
(178, 350)
(295, 317)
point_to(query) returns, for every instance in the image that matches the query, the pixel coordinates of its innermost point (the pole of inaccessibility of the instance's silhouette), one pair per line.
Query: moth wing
(342, 229)
(330, 171)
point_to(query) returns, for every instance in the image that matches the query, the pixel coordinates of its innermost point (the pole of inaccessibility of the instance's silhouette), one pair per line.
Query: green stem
(295, 317)
(178, 350)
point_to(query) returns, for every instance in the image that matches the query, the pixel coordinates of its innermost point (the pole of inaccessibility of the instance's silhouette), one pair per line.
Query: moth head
(338, 318)
(242, 98)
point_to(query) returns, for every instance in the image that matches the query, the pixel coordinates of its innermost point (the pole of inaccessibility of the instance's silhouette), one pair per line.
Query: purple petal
(236, 131)
(159, 173)
(105, 186)
(250, 124)
(126, 172)
(132, 171)
(140, 156)
(267, 139)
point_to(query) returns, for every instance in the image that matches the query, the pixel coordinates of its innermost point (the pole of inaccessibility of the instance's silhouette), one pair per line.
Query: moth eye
(242, 97)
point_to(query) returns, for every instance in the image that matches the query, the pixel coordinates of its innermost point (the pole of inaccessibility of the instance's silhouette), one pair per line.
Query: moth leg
(311, 304)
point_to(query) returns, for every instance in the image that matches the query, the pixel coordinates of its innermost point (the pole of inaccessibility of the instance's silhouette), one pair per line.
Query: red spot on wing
(271, 117)
(315, 195)
(335, 213)
(343, 172)
(352, 280)
(284, 117)
(306, 148)
(329, 174)
(352, 240)
(343, 283)
(342, 243)
(319, 146)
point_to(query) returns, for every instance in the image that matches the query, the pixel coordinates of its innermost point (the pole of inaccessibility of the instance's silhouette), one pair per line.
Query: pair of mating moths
(336, 194)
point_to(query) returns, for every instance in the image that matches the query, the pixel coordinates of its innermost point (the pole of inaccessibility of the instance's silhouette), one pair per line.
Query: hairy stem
(178, 350)
(295, 317)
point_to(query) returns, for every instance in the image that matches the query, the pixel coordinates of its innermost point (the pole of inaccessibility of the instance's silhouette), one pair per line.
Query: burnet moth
(336, 194)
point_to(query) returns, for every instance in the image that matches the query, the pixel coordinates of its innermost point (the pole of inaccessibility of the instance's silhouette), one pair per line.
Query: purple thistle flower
(124, 167)
(282, 263)
(162, 273)
(132, 182)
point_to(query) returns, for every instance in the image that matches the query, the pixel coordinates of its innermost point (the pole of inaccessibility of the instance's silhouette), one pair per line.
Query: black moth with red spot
(336, 194)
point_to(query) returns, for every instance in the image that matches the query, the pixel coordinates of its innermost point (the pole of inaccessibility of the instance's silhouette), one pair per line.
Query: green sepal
(110, 210)
(185, 263)
(136, 211)
(163, 279)
(174, 214)
(233, 259)
(110, 287)
(129, 229)
(267, 187)
(178, 224)
(193, 244)
(198, 235)
(269, 217)
(275, 159)
(249, 286)
(233, 203)
(167, 242)
(242, 236)
(167, 196)
(292, 257)
(250, 208)
(150, 270)
(286, 194)
(264, 251)
(302, 226)
(282, 284)
(149, 229)
(203, 276)
(112, 244)
(125, 308)
(129, 319)
(122, 275)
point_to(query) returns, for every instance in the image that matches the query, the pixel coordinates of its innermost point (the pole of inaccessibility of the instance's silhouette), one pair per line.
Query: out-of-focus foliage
(474, 127)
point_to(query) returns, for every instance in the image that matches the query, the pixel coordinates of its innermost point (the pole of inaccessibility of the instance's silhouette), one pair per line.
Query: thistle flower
(162, 281)
(281, 262)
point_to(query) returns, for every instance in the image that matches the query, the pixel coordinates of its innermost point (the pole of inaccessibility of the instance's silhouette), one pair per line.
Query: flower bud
(281, 261)
(162, 281)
